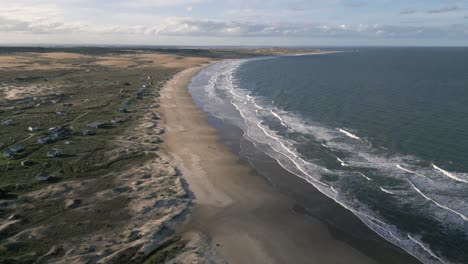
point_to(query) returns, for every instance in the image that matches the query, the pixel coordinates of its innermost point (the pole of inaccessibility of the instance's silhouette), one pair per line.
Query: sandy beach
(244, 217)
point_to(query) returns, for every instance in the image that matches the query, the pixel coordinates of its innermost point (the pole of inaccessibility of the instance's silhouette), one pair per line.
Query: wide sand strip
(245, 219)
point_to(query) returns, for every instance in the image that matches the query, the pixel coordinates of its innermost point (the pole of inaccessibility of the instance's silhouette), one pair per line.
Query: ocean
(381, 131)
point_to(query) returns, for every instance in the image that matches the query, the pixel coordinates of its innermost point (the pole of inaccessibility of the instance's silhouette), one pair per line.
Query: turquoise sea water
(383, 132)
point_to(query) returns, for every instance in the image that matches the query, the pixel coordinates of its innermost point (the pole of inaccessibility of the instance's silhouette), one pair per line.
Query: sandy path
(251, 222)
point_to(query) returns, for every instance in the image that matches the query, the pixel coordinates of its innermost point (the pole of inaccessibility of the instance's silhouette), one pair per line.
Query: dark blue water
(384, 132)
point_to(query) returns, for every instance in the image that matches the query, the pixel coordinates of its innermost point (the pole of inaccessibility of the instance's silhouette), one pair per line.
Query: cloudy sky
(235, 22)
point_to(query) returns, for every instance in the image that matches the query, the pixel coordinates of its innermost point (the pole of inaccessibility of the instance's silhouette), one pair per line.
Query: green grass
(84, 97)
(167, 251)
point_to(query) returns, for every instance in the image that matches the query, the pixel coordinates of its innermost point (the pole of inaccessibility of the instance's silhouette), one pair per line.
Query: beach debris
(127, 101)
(33, 128)
(67, 142)
(43, 177)
(123, 110)
(88, 132)
(8, 122)
(60, 113)
(27, 163)
(97, 124)
(54, 153)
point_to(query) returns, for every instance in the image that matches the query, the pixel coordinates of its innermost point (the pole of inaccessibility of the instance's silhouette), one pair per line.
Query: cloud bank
(154, 19)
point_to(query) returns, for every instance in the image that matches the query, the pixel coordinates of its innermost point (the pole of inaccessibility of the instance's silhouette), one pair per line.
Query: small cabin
(43, 177)
(8, 154)
(116, 121)
(88, 132)
(16, 149)
(57, 130)
(8, 122)
(98, 124)
(27, 163)
(54, 153)
(45, 140)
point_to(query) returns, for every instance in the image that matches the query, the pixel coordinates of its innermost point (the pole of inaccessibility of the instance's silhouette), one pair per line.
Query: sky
(236, 22)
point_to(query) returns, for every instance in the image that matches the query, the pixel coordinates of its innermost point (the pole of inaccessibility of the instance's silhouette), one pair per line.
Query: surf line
(349, 134)
(279, 118)
(386, 191)
(342, 162)
(436, 203)
(425, 248)
(410, 171)
(293, 160)
(363, 175)
(448, 174)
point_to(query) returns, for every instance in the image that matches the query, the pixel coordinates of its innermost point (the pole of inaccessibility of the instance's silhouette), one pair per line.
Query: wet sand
(246, 219)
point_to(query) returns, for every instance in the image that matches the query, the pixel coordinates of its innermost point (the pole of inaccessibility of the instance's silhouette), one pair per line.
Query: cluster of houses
(58, 133)
(55, 133)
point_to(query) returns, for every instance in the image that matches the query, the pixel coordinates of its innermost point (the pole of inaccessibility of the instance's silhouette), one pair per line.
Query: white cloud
(177, 26)
(143, 19)
(447, 9)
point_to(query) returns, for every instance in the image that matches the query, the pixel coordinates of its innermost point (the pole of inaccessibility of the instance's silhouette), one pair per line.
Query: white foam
(295, 156)
(386, 191)
(349, 134)
(282, 149)
(279, 118)
(363, 175)
(425, 248)
(342, 162)
(448, 174)
(334, 190)
(436, 203)
(410, 171)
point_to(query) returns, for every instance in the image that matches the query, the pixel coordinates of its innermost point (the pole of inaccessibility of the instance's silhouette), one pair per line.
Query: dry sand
(68, 60)
(246, 220)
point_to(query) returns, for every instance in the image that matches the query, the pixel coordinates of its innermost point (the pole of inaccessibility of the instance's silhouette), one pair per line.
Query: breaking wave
(349, 134)
(448, 174)
(268, 127)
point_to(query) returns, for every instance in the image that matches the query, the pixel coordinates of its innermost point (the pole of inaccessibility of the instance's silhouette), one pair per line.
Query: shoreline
(245, 218)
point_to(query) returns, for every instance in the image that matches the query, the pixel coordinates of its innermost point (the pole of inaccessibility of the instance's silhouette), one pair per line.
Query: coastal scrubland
(82, 175)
